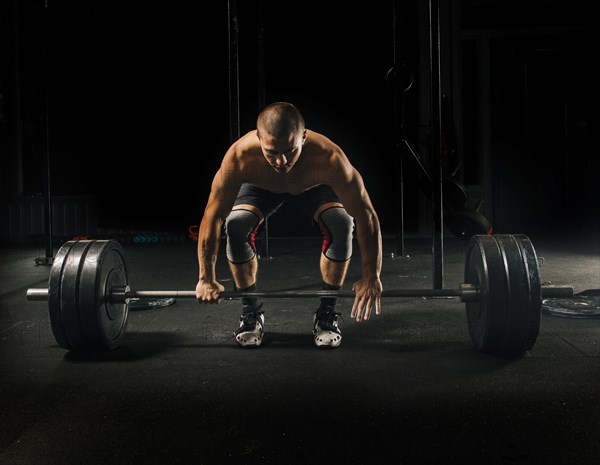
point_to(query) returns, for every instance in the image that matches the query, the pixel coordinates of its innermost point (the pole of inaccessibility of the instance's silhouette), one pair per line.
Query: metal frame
(436, 136)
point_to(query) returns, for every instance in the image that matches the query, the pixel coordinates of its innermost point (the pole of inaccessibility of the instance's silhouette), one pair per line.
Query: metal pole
(261, 55)
(17, 182)
(46, 138)
(234, 68)
(260, 26)
(436, 152)
(398, 128)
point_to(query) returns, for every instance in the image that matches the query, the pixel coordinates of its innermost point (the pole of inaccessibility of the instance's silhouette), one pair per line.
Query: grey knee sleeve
(241, 227)
(337, 227)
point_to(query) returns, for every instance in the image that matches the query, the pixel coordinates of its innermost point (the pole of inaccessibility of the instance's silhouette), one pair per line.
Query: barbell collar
(557, 292)
(120, 294)
(468, 293)
(37, 294)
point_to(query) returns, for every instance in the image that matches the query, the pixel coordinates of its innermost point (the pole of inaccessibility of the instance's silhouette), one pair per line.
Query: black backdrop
(139, 108)
(138, 95)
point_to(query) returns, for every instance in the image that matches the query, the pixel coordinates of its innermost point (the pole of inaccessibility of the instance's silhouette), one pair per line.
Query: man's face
(282, 153)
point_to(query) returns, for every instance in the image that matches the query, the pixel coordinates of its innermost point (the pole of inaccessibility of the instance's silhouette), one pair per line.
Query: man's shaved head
(280, 119)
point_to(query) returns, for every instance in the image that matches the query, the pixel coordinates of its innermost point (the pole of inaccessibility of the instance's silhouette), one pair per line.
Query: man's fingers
(358, 312)
(361, 307)
(216, 298)
(363, 304)
(368, 308)
(210, 299)
(355, 306)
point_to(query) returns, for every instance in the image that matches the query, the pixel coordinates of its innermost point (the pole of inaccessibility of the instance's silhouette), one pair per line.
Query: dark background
(138, 107)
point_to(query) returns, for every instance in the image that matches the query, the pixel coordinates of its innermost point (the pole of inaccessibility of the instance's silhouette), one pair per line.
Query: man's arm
(350, 189)
(224, 189)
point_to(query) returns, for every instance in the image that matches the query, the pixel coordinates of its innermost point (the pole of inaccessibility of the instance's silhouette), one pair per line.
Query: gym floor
(404, 388)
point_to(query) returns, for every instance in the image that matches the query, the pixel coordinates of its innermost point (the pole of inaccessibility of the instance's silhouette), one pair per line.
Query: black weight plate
(465, 223)
(54, 291)
(103, 322)
(534, 307)
(517, 324)
(506, 319)
(69, 295)
(484, 268)
(454, 192)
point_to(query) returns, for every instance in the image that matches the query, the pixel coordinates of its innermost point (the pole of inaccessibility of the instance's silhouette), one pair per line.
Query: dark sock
(253, 301)
(331, 301)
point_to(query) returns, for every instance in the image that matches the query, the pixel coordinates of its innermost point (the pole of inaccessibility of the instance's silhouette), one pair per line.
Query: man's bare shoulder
(320, 149)
(246, 148)
(243, 161)
(319, 144)
(324, 151)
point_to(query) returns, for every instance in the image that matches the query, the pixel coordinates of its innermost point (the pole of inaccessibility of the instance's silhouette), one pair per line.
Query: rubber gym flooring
(404, 388)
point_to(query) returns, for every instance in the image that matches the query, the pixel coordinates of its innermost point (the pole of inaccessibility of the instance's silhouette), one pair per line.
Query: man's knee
(337, 227)
(241, 227)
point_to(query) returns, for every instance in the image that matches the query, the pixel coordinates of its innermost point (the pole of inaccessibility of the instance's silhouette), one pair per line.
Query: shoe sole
(331, 340)
(249, 339)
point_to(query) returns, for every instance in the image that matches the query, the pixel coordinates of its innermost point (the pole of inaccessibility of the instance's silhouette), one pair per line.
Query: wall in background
(138, 102)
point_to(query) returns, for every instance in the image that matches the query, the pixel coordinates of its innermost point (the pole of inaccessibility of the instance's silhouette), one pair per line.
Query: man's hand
(367, 293)
(209, 292)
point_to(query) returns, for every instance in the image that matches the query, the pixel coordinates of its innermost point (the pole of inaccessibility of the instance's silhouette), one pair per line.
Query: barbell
(88, 294)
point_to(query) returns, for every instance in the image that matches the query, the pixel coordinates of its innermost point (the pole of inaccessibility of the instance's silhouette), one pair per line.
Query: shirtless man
(278, 161)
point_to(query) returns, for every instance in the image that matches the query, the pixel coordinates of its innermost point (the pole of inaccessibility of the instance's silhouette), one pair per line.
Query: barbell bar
(466, 292)
(88, 294)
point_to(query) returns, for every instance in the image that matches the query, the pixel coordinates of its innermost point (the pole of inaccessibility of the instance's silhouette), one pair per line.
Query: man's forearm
(369, 240)
(208, 249)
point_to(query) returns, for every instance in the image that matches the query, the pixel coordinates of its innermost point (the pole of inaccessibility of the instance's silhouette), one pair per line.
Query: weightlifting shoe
(325, 330)
(251, 330)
